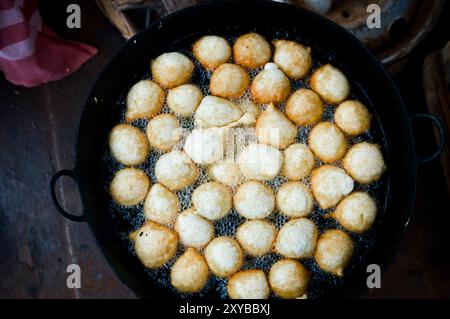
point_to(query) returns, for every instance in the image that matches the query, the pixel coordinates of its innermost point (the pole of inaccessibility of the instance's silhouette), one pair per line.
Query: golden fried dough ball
(298, 161)
(364, 162)
(260, 162)
(333, 252)
(356, 212)
(256, 236)
(288, 278)
(248, 284)
(129, 186)
(297, 238)
(212, 51)
(330, 184)
(270, 86)
(154, 244)
(144, 100)
(304, 107)
(275, 129)
(293, 58)
(190, 272)
(172, 69)
(175, 170)
(161, 205)
(184, 99)
(226, 172)
(215, 111)
(205, 146)
(212, 200)
(328, 142)
(352, 117)
(229, 81)
(254, 200)
(128, 144)
(294, 199)
(251, 50)
(163, 132)
(330, 83)
(194, 230)
(224, 256)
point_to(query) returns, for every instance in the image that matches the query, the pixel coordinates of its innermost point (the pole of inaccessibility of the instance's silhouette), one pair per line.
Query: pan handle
(69, 173)
(442, 133)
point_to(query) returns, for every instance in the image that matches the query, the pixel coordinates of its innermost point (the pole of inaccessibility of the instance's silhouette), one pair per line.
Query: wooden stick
(120, 20)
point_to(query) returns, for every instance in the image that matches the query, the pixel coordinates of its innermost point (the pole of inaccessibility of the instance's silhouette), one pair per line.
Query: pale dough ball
(364, 162)
(254, 200)
(226, 172)
(176, 170)
(352, 117)
(229, 81)
(294, 199)
(330, 184)
(298, 162)
(328, 142)
(154, 244)
(144, 100)
(164, 132)
(260, 162)
(288, 278)
(184, 99)
(304, 107)
(251, 51)
(293, 58)
(251, 112)
(224, 256)
(172, 69)
(128, 144)
(248, 284)
(270, 86)
(333, 252)
(212, 200)
(194, 230)
(330, 83)
(256, 236)
(216, 112)
(212, 51)
(205, 146)
(129, 186)
(356, 212)
(161, 205)
(297, 238)
(190, 272)
(275, 129)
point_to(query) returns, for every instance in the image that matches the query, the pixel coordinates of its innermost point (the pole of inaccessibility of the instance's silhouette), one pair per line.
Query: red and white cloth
(32, 54)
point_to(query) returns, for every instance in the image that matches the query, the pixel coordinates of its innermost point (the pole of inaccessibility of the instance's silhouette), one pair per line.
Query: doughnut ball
(226, 172)
(254, 200)
(256, 236)
(356, 212)
(205, 146)
(190, 272)
(294, 199)
(212, 200)
(194, 230)
(248, 284)
(251, 112)
(161, 205)
(298, 162)
(288, 279)
(251, 51)
(154, 244)
(212, 51)
(330, 83)
(224, 256)
(129, 186)
(275, 129)
(270, 86)
(333, 252)
(364, 162)
(215, 111)
(144, 100)
(175, 170)
(260, 162)
(330, 184)
(297, 238)
(304, 107)
(184, 99)
(328, 142)
(163, 132)
(352, 117)
(229, 81)
(293, 58)
(128, 144)
(172, 69)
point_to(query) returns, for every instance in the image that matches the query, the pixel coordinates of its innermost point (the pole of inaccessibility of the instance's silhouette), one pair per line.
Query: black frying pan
(274, 20)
